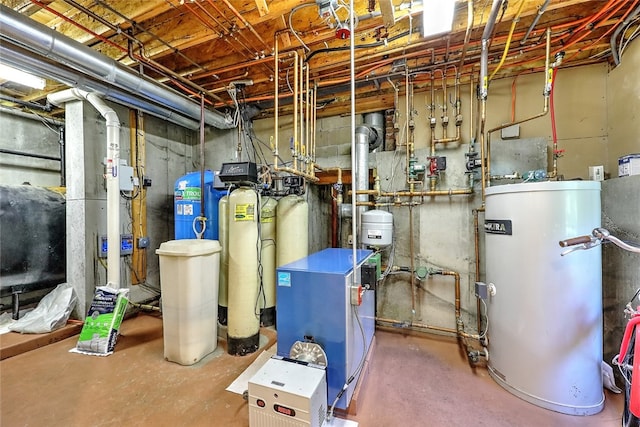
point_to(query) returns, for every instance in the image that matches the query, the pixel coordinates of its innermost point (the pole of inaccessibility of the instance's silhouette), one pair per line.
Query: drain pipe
(113, 183)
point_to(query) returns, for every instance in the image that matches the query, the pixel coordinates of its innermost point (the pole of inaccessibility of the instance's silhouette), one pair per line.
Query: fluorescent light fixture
(17, 76)
(437, 16)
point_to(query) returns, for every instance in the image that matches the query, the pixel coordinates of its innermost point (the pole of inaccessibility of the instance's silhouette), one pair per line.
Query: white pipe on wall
(113, 182)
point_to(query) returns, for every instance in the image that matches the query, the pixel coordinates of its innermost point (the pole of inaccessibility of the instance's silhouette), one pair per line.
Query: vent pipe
(113, 182)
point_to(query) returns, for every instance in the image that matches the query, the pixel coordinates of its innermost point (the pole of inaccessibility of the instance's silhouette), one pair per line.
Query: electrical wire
(486, 315)
(293, 31)
(256, 307)
(356, 373)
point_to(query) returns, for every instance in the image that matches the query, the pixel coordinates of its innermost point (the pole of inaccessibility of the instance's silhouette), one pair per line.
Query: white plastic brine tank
(377, 228)
(545, 317)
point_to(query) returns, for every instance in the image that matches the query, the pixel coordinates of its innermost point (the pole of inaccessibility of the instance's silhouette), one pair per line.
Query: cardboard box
(629, 165)
(102, 325)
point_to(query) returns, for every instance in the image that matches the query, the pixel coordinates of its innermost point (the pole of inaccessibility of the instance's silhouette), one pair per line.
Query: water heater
(545, 310)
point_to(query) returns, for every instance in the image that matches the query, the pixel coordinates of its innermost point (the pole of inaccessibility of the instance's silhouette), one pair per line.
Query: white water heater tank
(545, 314)
(377, 228)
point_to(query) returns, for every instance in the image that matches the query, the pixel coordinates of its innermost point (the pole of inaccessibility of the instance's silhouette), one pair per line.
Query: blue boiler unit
(314, 303)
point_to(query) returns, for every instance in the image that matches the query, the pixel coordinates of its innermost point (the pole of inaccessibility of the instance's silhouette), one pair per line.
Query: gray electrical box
(126, 178)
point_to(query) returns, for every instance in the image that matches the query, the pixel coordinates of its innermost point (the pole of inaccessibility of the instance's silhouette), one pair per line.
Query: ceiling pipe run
(38, 38)
(111, 175)
(45, 67)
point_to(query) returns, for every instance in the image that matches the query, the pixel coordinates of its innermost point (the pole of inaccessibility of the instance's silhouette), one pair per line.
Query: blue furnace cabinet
(314, 300)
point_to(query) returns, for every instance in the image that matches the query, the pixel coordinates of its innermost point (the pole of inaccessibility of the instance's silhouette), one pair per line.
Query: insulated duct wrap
(19, 30)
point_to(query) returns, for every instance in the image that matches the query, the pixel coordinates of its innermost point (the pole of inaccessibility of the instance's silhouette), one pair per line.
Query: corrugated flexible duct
(22, 31)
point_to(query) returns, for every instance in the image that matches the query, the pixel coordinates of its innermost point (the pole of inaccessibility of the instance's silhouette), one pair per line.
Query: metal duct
(364, 136)
(45, 67)
(22, 31)
(376, 122)
(484, 57)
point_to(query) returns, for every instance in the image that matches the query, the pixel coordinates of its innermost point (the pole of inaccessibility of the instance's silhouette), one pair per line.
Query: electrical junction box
(126, 245)
(481, 290)
(369, 275)
(287, 393)
(313, 299)
(126, 178)
(512, 131)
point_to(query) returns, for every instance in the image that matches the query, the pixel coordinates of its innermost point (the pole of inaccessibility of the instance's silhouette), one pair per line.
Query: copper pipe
(229, 68)
(245, 22)
(467, 34)
(307, 117)
(444, 139)
(294, 154)
(414, 289)
(546, 92)
(456, 291)
(417, 325)
(334, 223)
(276, 102)
(450, 192)
(483, 163)
(476, 235)
(191, 9)
(297, 172)
(459, 330)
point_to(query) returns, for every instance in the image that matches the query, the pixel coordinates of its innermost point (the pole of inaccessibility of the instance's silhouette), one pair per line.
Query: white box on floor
(189, 283)
(284, 393)
(629, 165)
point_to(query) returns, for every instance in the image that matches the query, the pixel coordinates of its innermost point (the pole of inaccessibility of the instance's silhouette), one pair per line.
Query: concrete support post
(86, 199)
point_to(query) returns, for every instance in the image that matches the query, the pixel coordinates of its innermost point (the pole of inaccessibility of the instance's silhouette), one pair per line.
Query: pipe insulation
(21, 58)
(111, 176)
(484, 57)
(22, 31)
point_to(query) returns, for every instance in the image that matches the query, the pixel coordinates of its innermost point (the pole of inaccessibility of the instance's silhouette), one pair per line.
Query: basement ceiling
(202, 46)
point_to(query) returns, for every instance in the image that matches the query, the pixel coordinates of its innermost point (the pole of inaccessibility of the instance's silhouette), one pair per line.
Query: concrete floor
(412, 381)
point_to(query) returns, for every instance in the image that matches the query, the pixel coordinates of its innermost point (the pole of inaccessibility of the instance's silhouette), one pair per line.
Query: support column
(86, 199)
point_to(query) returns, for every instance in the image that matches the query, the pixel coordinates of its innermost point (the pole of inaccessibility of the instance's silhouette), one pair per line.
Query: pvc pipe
(111, 176)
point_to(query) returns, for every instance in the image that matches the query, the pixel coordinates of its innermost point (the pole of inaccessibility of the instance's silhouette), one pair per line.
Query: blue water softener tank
(186, 205)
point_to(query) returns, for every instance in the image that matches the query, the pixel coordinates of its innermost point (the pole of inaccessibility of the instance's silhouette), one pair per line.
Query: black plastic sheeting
(32, 247)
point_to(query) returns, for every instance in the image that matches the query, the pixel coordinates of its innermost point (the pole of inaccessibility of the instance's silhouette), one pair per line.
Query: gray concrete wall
(30, 136)
(443, 226)
(620, 269)
(621, 197)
